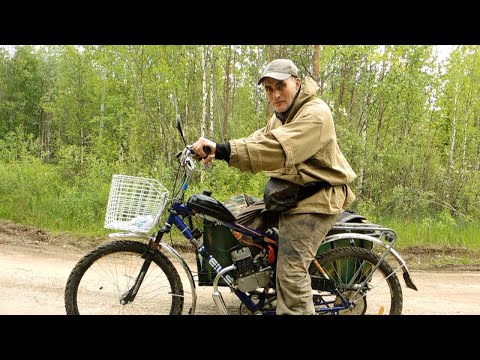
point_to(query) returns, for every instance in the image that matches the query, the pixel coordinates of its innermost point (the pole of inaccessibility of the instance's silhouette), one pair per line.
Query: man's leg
(300, 238)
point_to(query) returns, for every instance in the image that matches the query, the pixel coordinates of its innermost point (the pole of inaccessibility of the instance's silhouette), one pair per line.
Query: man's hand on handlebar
(205, 149)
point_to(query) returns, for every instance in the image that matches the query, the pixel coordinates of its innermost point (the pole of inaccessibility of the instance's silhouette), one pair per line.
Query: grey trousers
(299, 239)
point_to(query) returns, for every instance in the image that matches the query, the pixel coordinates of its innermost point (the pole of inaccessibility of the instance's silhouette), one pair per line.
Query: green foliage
(17, 145)
(225, 182)
(36, 194)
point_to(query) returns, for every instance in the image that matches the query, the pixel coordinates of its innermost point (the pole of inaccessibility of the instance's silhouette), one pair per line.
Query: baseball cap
(279, 69)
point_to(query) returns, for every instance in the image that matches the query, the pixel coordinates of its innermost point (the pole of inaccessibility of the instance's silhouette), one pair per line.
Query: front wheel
(101, 281)
(353, 284)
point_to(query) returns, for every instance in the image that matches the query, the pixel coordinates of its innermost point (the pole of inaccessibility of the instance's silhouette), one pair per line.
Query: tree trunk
(185, 83)
(257, 93)
(44, 134)
(204, 98)
(316, 62)
(465, 132)
(364, 153)
(234, 85)
(204, 93)
(212, 78)
(226, 99)
(454, 129)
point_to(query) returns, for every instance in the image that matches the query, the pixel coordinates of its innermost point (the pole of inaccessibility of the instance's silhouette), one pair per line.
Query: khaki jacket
(302, 150)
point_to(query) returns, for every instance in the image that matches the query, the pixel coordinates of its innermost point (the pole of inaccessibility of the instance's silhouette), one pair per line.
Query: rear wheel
(100, 280)
(354, 286)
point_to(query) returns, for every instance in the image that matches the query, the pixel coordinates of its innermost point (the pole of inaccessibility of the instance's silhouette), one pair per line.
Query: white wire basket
(135, 203)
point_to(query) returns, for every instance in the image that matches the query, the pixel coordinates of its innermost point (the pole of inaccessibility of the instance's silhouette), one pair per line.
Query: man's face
(280, 93)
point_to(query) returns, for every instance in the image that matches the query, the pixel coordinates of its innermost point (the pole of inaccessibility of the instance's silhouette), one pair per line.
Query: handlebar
(187, 155)
(189, 151)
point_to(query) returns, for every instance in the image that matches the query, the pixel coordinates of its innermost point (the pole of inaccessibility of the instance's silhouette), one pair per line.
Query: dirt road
(33, 277)
(34, 268)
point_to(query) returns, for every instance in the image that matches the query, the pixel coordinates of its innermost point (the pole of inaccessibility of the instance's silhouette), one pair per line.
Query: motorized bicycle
(354, 272)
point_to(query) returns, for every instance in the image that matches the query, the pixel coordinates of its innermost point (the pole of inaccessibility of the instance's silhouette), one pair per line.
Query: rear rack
(374, 230)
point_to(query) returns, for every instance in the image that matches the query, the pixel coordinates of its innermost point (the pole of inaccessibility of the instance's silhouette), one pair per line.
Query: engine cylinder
(243, 261)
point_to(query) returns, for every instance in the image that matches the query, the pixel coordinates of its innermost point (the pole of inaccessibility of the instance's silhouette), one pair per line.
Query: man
(298, 145)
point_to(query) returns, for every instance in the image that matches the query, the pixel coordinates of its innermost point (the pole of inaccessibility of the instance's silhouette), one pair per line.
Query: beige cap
(279, 69)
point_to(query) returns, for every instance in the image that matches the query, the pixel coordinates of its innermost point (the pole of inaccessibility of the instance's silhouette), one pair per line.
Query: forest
(71, 116)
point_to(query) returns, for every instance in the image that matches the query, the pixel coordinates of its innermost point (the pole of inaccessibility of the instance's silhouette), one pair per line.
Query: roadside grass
(437, 242)
(430, 232)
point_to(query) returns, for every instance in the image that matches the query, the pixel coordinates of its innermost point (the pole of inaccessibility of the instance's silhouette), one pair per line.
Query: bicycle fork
(130, 294)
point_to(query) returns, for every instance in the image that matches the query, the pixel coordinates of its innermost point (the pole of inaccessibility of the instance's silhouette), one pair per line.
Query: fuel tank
(207, 205)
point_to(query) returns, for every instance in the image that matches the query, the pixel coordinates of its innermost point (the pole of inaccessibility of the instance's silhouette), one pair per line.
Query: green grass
(429, 232)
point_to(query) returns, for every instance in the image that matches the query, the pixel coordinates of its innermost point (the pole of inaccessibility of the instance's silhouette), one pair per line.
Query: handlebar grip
(207, 150)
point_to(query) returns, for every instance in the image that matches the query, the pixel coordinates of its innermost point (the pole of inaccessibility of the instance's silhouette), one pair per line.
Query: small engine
(252, 275)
